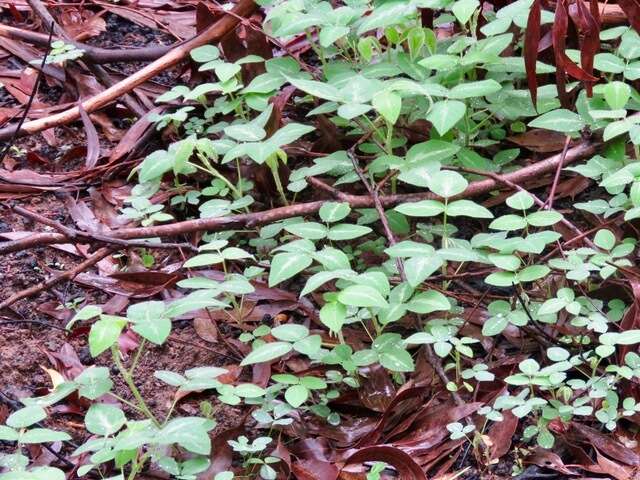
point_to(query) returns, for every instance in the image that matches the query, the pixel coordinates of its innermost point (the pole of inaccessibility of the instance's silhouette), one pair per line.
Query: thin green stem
(127, 377)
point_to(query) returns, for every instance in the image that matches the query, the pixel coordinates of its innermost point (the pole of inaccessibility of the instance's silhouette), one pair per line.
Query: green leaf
(155, 165)
(330, 33)
(296, 395)
(334, 211)
(529, 366)
(446, 183)
(149, 321)
(543, 218)
(387, 104)
(545, 439)
(423, 208)
(308, 346)
(26, 417)
(534, 272)
(289, 134)
(362, 296)
(560, 120)
(317, 89)
(440, 62)
(170, 378)
(347, 231)
(85, 313)
(429, 301)
(104, 333)
(290, 332)
(501, 279)
(431, 151)
(94, 382)
(464, 9)
(520, 201)
(205, 53)
(409, 248)
(267, 352)
(495, 325)
(8, 434)
(508, 223)
(418, 269)
(246, 132)
(608, 63)
(396, 360)
(467, 208)
(605, 239)
(475, 89)
(557, 354)
(320, 278)
(307, 230)
(628, 337)
(204, 299)
(61, 391)
(385, 14)
(616, 94)
(43, 435)
(445, 114)
(249, 390)
(103, 419)
(286, 265)
(333, 315)
(188, 432)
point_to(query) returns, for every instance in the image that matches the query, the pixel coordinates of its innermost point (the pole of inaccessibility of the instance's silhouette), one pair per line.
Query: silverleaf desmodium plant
(377, 77)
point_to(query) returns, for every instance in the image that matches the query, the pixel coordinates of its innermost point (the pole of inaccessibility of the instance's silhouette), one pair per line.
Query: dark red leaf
(531, 42)
(632, 9)
(564, 65)
(591, 41)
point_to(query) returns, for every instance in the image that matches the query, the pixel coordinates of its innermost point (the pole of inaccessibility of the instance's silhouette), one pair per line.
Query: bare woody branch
(214, 224)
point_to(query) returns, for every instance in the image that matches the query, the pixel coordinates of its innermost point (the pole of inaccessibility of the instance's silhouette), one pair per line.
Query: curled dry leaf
(406, 467)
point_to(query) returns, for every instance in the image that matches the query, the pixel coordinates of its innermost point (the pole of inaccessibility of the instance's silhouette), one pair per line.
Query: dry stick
(556, 178)
(94, 54)
(73, 233)
(379, 208)
(103, 76)
(214, 33)
(217, 224)
(68, 275)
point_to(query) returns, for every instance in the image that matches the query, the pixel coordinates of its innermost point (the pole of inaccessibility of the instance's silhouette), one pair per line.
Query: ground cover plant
(320, 240)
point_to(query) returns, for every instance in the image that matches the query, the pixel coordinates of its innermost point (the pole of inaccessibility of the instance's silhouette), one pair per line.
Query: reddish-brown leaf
(406, 467)
(612, 468)
(93, 142)
(564, 65)
(559, 34)
(548, 459)
(590, 43)
(313, 469)
(531, 42)
(206, 329)
(632, 9)
(133, 136)
(500, 435)
(605, 444)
